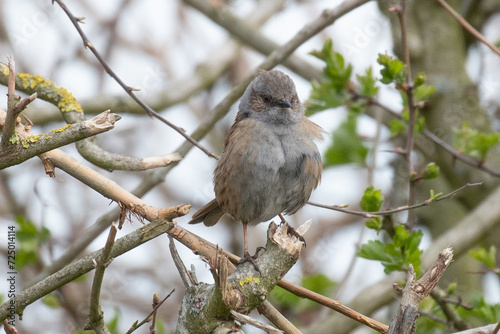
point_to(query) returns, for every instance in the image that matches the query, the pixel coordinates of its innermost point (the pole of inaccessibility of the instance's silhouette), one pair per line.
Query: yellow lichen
(30, 140)
(61, 129)
(249, 279)
(65, 100)
(5, 70)
(68, 101)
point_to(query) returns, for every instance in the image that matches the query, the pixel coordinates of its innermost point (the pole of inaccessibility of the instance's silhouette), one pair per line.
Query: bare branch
(96, 316)
(469, 27)
(404, 321)
(84, 265)
(30, 145)
(341, 208)
(257, 324)
(481, 330)
(12, 99)
(148, 317)
(110, 189)
(447, 147)
(128, 89)
(241, 29)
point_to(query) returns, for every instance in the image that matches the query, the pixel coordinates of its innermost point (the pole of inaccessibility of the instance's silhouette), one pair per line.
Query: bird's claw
(249, 258)
(291, 231)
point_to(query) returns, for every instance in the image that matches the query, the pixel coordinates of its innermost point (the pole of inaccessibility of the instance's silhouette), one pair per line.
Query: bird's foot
(249, 258)
(291, 231)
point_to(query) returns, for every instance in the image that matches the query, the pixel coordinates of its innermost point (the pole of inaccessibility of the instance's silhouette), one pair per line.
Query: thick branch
(405, 319)
(108, 188)
(94, 154)
(31, 145)
(84, 265)
(242, 289)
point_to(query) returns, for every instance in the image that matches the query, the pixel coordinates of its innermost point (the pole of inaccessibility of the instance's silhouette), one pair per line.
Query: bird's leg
(246, 256)
(291, 230)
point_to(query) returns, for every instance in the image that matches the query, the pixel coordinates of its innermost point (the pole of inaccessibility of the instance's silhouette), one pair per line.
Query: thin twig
(128, 89)
(257, 324)
(469, 27)
(401, 208)
(95, 314)
(497, 329)
(410, 143)
(146, 320)
(449, 312)
(185, 275)
(447, 147)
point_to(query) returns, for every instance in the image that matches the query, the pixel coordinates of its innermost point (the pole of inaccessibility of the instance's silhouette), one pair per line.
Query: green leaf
(393, 70)
(52, 301)
(431, 171)
(482, 313)
(346, 147)
(434, 197)
(367, 83)
(487, 257)
(396, 127)
(374, 223)
(333, 90)
(423, 92)
(473, 142)
(374, 250)
(397, 255)
(372, 200)
(29, 238)
(420, 79)
(112, 324)
(323, 97)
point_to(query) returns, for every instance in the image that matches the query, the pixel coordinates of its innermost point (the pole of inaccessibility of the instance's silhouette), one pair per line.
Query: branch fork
(240, 289)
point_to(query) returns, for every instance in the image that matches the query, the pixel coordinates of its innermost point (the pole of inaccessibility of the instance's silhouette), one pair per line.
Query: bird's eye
(266, 98)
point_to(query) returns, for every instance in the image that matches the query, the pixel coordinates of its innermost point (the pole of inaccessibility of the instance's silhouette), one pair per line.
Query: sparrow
(270, 163)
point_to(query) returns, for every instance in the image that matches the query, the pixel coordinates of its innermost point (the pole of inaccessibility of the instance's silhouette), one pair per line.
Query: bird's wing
(209, 214)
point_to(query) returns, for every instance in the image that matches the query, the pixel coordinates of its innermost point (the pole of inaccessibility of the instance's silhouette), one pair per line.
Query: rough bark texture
(206, 308)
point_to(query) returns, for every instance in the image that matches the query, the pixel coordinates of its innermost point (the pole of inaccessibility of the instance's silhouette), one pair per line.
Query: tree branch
(30, 145)
(469, 27)
(96, 316)
(405, 319)
(341, 208)
(247, 34)
(485, 217)
(110, 189)
(128, 89)
(12, 99)
(84, 265)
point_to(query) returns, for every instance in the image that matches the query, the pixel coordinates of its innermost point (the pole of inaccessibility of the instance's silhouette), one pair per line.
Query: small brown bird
(270, 163)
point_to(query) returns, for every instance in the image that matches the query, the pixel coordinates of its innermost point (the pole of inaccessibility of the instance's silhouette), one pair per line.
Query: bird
(270, 163)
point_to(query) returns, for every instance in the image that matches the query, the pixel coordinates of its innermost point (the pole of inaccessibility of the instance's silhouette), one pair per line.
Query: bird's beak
(284, 103)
